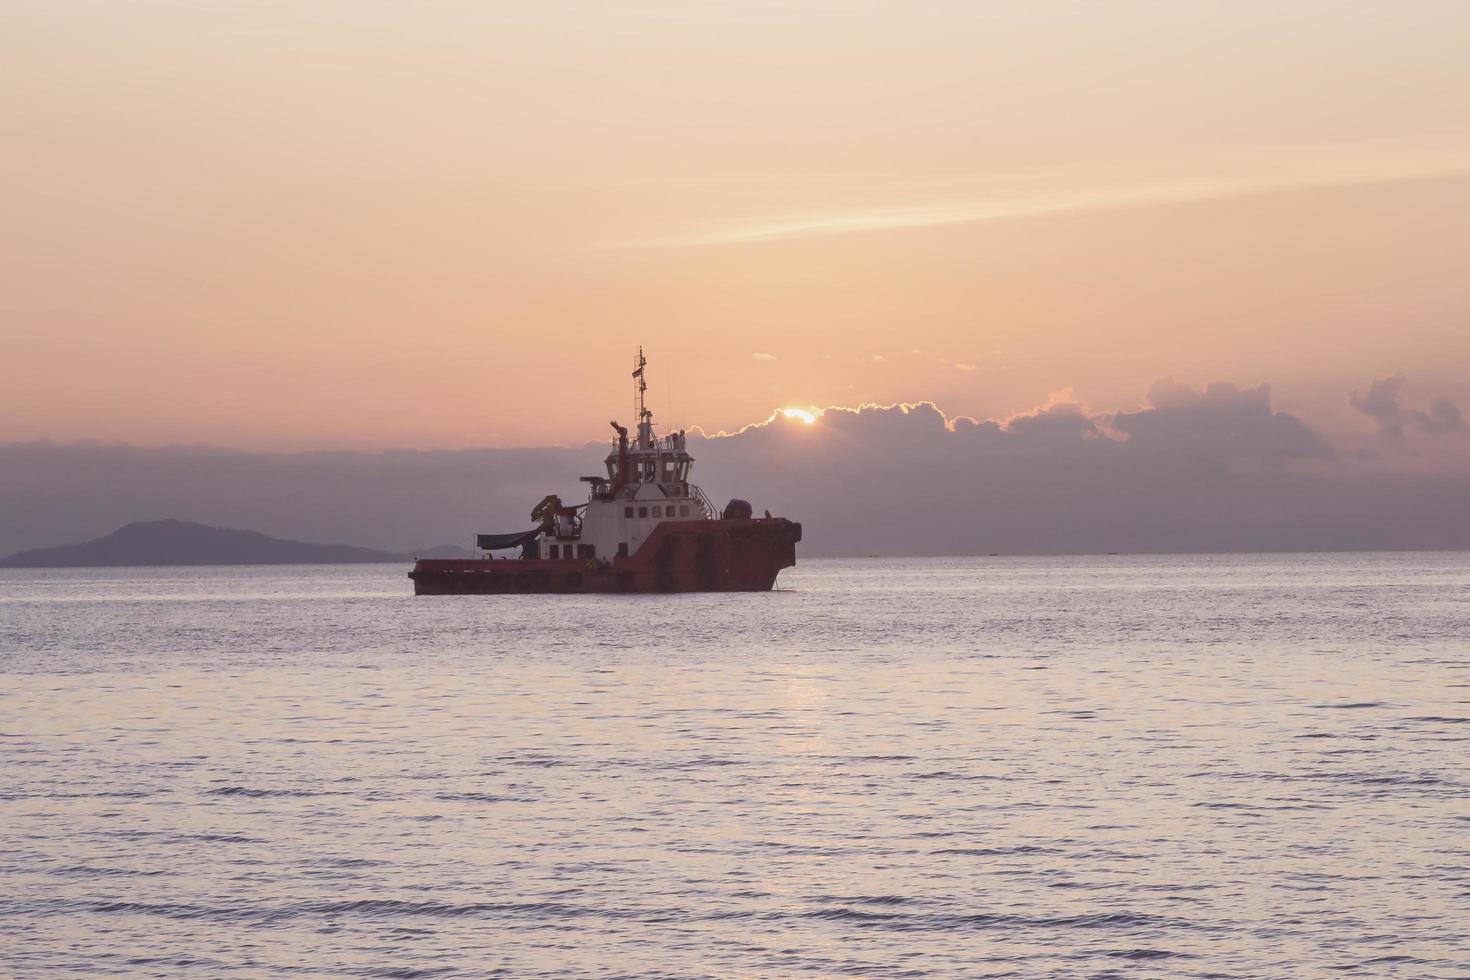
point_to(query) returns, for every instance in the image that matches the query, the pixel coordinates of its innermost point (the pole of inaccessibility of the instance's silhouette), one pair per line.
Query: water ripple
(1175, 767)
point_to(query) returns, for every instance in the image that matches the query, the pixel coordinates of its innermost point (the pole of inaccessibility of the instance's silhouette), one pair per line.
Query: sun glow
(800, 414)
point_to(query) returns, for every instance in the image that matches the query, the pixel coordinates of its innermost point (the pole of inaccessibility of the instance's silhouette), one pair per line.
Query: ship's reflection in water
(1230, 766)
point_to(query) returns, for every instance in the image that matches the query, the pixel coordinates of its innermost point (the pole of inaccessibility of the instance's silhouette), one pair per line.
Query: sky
(359, 225)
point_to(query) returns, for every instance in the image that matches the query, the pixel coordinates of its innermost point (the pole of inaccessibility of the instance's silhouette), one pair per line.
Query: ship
(643, 528)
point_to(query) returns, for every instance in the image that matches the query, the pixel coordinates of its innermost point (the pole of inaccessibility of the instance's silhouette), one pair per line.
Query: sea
(1105, 766)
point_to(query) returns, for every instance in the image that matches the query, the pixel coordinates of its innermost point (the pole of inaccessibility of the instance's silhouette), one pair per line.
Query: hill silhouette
(172, 542)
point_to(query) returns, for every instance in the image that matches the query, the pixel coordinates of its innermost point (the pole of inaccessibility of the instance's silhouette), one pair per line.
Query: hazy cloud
(1384, 404)
(986, 197)
(1222, 423)
(1443, 416)
(761, 356)
(1381, 404)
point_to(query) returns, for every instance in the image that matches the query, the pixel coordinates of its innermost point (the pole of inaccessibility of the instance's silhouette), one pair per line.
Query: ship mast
(645, 417)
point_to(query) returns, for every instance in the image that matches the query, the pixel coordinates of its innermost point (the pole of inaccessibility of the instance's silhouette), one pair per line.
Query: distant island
(172, 542)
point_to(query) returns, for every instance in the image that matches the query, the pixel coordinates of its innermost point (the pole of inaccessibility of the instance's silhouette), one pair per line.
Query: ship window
(553, 551)
(642, 511)
(683, 510)
(658, 512)
(627, 512)
(586, 551)
(622, 549)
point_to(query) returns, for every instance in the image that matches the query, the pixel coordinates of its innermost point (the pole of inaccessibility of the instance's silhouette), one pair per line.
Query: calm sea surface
(1084, 767)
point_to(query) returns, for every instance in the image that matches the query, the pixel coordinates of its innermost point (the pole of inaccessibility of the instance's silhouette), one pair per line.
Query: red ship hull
(679, 556)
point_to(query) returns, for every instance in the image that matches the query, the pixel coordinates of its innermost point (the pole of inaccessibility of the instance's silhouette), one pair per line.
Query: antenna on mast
(645, 417)
(641, 386)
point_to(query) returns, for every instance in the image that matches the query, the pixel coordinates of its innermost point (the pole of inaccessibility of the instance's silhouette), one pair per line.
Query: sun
(800, 414)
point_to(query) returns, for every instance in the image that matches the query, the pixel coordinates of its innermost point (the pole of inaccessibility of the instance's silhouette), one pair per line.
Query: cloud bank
(1193, 470)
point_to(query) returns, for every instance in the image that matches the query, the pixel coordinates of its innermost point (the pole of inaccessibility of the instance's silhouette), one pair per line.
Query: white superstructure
(647, 483)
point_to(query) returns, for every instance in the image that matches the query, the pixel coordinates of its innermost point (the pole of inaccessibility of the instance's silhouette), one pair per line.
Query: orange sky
(447, 224)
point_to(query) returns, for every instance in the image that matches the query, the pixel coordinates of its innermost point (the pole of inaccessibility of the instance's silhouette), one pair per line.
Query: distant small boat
(644, 528)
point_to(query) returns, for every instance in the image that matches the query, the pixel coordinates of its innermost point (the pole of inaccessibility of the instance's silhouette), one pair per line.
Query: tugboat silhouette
(644, 528)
